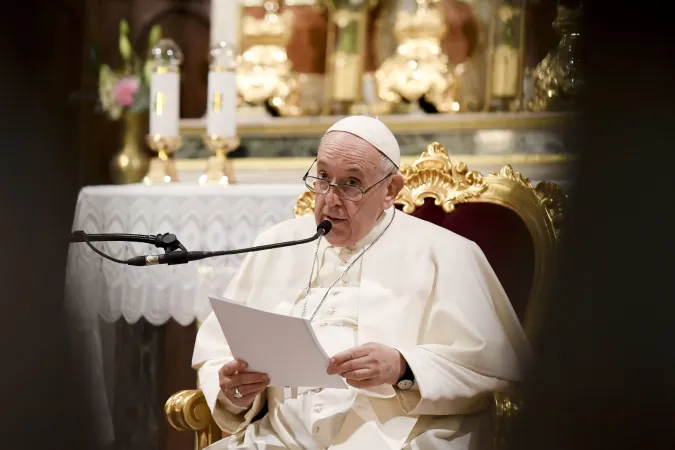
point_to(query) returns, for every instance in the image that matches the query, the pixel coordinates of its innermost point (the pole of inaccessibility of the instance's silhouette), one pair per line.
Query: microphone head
(325, 227)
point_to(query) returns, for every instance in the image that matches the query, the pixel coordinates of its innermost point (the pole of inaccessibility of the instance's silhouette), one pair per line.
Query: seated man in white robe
(413, 315)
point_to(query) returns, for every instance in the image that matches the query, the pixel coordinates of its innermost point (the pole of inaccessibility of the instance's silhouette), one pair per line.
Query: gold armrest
(506, 407)
(188, 411)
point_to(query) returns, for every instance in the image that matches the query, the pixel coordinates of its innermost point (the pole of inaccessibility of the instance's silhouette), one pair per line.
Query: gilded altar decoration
(345, 55)
(558, 78)
(265, 75)
(419, 69)
(130, 163)
(124, 95)
(219, 168)
(162, 168)
(505, 74)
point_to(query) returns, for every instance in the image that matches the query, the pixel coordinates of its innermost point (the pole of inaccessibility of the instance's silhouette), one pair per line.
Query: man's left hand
(369, 365)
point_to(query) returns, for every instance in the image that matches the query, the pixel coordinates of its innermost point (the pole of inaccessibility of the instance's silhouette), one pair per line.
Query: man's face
(347, 159)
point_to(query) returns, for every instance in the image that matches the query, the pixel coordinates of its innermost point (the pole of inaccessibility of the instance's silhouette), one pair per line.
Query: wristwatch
(407, 379)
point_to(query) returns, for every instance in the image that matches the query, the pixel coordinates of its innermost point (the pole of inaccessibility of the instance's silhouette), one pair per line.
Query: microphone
(183, 256)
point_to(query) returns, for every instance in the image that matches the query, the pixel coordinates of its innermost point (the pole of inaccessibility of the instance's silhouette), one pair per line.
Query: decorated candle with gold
(222, 91)
(165, 58)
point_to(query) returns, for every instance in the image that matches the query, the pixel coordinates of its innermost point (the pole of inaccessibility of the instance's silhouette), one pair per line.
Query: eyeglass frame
(338, 186)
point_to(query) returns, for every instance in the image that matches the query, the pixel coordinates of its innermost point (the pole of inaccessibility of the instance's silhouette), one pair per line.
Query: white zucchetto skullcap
(372, 131)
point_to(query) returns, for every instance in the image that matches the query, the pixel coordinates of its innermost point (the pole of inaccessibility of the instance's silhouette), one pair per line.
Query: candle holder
(164, 137)
(219, 167)
(162, 167)
(221, 130)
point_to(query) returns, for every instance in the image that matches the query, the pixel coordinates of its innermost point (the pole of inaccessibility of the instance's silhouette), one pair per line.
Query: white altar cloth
(201, 217)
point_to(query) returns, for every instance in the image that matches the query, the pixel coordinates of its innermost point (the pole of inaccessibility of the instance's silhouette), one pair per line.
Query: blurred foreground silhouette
(605, 372)
(44, 403)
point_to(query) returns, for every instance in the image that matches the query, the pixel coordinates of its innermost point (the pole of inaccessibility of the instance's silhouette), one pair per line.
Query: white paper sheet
(283, 347)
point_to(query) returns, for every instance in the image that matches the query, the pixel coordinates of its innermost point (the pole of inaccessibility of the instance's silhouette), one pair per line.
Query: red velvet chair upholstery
(502, 236)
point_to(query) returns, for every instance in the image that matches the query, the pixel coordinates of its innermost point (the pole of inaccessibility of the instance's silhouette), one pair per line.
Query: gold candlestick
(162, 167)
(219, 167)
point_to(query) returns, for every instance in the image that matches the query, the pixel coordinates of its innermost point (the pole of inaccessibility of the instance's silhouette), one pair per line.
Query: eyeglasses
(346, 191)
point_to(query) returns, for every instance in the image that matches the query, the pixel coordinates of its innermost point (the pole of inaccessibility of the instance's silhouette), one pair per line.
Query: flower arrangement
(127, 90)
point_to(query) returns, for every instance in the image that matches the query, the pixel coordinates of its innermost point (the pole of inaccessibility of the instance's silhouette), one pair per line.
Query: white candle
(222, 107)
(225, 21)
(164, 103)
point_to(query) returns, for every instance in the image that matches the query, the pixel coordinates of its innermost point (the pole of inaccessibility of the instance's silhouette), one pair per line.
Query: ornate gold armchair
(515, 223)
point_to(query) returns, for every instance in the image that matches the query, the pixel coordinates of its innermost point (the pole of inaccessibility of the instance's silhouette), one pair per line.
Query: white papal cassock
(421, 289)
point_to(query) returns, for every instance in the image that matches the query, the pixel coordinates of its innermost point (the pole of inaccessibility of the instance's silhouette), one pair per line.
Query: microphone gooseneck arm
(175, 252)
(185, 257)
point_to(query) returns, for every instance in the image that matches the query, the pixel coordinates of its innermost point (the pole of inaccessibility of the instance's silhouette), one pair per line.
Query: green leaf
(124, 27)
(155, 35)
(125, 49)
(137, 65)
(105, 74)
(147, 71)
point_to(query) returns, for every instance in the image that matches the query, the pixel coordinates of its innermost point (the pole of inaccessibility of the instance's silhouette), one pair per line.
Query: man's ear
(394, 186)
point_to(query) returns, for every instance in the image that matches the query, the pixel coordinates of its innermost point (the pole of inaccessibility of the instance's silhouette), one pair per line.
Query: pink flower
(125, 90)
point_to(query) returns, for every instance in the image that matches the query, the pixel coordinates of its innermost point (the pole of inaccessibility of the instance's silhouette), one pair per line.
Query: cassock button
(335, 292)
(318, 408)
(331, 311)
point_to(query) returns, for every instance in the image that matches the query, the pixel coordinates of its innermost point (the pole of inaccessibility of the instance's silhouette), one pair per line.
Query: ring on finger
(237, 393)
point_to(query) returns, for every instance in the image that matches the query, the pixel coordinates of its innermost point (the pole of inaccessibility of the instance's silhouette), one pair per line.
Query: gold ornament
(419, 69)
(264, 73)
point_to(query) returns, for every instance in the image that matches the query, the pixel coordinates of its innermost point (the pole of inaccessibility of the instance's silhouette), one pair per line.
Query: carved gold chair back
(447, 193)
(515, 223)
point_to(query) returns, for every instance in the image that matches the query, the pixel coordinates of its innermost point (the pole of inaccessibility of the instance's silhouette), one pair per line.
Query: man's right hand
(233, 375)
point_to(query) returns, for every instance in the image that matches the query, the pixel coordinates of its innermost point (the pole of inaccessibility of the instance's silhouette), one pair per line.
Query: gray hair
(388, 166)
